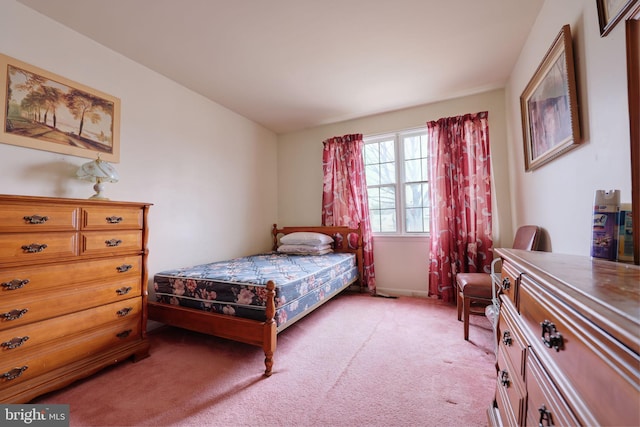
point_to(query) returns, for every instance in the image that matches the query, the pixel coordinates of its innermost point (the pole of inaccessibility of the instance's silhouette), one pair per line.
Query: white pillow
(305, 249)
(306, 238)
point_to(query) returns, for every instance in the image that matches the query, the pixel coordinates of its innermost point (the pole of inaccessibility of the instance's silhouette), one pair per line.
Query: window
(398, 182)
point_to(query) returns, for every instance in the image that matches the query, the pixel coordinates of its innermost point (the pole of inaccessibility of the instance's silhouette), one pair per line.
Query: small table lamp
(99, 172)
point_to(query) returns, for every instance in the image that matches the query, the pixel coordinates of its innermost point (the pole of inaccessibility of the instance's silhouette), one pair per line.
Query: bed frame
(254, 332)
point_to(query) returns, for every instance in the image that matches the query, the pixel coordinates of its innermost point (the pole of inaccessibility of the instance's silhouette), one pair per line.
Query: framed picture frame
(44, 111)
(549, 105)
(610, 12)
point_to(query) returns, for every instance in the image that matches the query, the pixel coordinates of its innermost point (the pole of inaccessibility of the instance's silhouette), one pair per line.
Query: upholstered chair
(474, 289)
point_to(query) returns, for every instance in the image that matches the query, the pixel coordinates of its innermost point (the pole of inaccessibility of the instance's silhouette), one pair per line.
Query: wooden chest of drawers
(73, 289)
(569, 344)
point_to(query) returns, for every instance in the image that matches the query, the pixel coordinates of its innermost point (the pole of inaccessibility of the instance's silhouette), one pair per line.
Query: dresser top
(4, 198)
(604, 291)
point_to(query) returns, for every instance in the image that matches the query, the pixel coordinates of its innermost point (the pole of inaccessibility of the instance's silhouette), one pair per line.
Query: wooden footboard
(254, 332)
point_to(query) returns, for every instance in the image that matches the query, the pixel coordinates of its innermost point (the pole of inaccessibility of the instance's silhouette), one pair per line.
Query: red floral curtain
(344, 193)
(460, 182)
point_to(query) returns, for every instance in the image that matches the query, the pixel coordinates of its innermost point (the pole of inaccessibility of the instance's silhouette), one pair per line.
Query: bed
(252, 299)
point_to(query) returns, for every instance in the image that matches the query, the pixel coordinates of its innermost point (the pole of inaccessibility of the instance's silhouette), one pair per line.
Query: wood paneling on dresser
(568, 342)
(73, 290)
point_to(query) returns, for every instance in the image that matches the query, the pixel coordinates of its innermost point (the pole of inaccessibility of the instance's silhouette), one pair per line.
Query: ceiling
(295, 64)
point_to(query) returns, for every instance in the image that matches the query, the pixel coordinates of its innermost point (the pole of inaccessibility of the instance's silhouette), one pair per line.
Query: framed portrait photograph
(549, 105)
(610, 12)
(44, 111)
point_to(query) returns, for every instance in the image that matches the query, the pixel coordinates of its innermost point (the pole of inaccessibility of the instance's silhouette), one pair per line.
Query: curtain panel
(460, 183)
(344, 194)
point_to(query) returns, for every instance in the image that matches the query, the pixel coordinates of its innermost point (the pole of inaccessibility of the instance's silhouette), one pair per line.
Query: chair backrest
(527, 238)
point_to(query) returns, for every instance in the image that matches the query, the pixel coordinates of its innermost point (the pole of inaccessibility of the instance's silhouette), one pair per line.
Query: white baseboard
(403, 292)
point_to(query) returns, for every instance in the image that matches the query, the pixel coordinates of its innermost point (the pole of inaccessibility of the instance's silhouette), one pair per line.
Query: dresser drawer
(16, 282)
(30, 217)
(510, 339)
(592, 362)
(23, 367)
(22, 311)
(510, 282)
(510, 393)
(32, 336)
(117, 217)
(24, 247)
(545, 405)
(112, 242)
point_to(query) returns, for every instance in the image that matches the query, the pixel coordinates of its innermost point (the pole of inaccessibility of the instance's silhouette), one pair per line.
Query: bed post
(270, 329)
(274, 235)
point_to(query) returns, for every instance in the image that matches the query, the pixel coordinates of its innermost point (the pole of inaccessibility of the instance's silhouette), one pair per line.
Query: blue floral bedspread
(237, 287)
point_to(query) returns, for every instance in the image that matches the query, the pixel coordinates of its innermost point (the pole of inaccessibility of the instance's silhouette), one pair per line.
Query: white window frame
(400, 178)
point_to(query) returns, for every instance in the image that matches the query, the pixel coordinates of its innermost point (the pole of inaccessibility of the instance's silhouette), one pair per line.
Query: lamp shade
(98, 171)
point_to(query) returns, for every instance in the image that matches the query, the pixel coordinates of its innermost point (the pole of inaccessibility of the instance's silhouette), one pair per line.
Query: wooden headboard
(341, 235)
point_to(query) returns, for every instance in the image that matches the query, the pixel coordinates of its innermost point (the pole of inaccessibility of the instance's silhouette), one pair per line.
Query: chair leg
(466, 309)
(459, 302)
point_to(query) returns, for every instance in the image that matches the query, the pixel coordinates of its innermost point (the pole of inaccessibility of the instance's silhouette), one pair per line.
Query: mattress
(237, 287)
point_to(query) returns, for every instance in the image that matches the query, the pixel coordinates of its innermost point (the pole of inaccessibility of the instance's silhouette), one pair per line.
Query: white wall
(210, 173)
(559, 195)
(401, 264)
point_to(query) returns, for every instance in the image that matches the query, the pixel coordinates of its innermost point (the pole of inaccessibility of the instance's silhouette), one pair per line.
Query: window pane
(375, 217)
(426, 202)
(426, 217)
(413, 195)
(388, 221)
(374, 198)
(387, 198)
(387, 173)
(424, 165)
(414, 220)
(371, 154)
(412, 147)
(413, 170)
(417, 207)
(387, 151)
(372, 174)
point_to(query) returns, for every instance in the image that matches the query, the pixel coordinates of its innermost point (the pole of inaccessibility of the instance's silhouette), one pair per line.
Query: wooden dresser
(568, 342)
(73, 289)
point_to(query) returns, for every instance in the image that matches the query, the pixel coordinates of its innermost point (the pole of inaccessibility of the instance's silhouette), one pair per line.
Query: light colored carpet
(356, 361)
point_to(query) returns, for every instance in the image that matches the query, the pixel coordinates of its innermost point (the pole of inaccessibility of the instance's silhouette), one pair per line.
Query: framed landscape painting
(549, 106)
(610, 12)
(48, 112)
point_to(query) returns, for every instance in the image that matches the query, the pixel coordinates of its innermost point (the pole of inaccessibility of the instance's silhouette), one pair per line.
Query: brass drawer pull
(506, 338)
(124, 334)
(34, 247)
(14, 284)
(14, 373)
(14, 343)
(114, 219)
(13, 314)
(506, 284)
(124, 268)
(113, 242)
(545, 415)
(124, 290)
(123, 312)
(504, 379)
(550, 336)
(36, 219)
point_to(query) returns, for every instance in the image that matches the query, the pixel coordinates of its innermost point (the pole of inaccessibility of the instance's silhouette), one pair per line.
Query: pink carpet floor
(356, 361)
